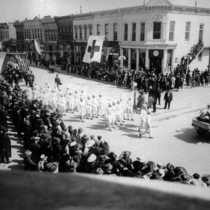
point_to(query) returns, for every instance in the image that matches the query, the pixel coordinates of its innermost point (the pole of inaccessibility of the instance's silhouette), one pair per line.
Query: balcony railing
(156, 41)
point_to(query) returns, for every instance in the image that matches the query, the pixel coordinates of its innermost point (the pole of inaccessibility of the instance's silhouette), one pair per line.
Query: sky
(11, 10)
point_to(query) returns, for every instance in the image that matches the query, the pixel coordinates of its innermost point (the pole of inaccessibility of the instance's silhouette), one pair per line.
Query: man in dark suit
(152, 100)
(58, 81)
(168, 98)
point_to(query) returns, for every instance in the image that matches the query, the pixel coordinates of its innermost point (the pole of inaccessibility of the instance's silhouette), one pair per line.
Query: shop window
(171, 32)
(187, 31)
(157, 30)
(142, 34)
(125, 32)
(134, 32)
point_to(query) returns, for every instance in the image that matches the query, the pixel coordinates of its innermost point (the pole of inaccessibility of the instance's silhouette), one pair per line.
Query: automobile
(201, 127)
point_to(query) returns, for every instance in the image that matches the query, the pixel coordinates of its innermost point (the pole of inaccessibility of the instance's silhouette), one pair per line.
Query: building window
(142, 34)
(200, 56)
(76, 35)
(85, 32)
(171, 32)
(201, 32)
(125, 32)
(106, 31)
(90, 30)
(98, 29)
(115, 32)
(134, 32)
(157, 30)
(80, 32)
(187, 31)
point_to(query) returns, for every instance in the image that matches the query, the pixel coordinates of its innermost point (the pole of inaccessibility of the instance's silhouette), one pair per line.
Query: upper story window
(98, 29)
(106, 31)
(187, 31)
(157, 30)
(76, 34)
(90, 30)
(171, 31)
(142, 34)
(115, 31)
(200, 38)
(125, 32)
(133, 31)
(85, 31)
(80, 32)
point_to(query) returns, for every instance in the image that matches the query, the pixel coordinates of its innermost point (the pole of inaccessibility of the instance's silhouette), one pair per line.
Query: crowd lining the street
(51, 146)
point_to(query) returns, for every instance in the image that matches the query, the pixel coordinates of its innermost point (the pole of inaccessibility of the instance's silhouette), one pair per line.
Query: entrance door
(156, 64)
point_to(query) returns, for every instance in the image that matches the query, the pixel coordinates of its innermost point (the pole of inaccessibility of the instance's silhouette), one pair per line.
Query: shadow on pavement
(190, 136)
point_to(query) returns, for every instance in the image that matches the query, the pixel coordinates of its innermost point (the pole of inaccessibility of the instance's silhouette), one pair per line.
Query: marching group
(51, 146)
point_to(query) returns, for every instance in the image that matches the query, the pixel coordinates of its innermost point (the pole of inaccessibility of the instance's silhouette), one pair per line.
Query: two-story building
(4, 36)
(50, 37)
(19, 35)
(155, 35)
(65, 54)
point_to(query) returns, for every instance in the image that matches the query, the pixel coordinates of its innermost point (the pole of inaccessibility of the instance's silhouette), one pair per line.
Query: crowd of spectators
(51, 146)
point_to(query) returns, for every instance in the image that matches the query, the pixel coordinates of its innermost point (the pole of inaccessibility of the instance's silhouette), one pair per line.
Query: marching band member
(100, 107)
(82, 109)
(62, 104)
(129, 108)
(109, 116)
(89, 108)
(94, 106)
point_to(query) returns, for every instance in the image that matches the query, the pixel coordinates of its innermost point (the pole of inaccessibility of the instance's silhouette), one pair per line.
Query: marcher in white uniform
(70, 102)
(129, 109)
(143, 117)
(94, 106)
(148, 125)
(62, 104)
(113, 110)
(109, 116)
(100, 107)
(76, 99)
(82, 109)
(118, 114)
(89, 113)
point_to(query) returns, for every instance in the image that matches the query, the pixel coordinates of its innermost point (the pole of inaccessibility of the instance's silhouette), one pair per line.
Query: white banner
(94, 49)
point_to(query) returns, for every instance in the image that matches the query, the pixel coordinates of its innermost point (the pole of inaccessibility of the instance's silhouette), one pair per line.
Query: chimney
(195, 3)
(80, 10)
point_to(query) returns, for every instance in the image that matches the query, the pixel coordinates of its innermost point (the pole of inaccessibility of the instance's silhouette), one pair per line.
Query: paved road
(175, 139)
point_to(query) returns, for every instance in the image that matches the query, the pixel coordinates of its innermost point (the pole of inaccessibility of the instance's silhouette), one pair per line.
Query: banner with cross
(94, 49)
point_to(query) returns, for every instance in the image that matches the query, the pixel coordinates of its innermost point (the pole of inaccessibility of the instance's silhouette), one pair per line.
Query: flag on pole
(94, 49)
(38, 46)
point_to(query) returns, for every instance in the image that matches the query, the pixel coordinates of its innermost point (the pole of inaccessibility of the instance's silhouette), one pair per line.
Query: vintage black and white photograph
(104, 104)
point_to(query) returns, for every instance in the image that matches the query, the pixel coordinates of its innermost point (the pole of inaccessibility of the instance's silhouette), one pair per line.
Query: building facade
(20, 35)
(4, 36)
(50, 37)
(12, 37)
(155, 35)
(65, 54)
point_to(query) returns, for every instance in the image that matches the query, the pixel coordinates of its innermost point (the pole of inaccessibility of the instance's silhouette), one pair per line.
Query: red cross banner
(94, 49)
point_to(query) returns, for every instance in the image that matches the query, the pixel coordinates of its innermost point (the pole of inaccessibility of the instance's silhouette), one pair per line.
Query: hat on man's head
(141, 159)
(27, 153)
(91, 158)
(86, 137)
(206, 178)
(99, 171)
(42, 157)
(89, 143)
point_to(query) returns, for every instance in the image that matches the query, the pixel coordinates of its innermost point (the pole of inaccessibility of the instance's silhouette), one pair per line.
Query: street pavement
(175, 140)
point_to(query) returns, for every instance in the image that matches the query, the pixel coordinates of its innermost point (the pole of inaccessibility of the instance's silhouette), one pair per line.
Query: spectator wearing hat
(126, 161)
(5, 145)
(4, 100)
(30, 165)
(42, 162)
(35, 148)
(197, 181)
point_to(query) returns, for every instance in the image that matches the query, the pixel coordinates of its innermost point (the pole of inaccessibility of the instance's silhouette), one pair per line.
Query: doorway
(156, 64)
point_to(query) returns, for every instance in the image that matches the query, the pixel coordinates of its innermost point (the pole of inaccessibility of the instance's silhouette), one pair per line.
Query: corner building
(155, 35)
